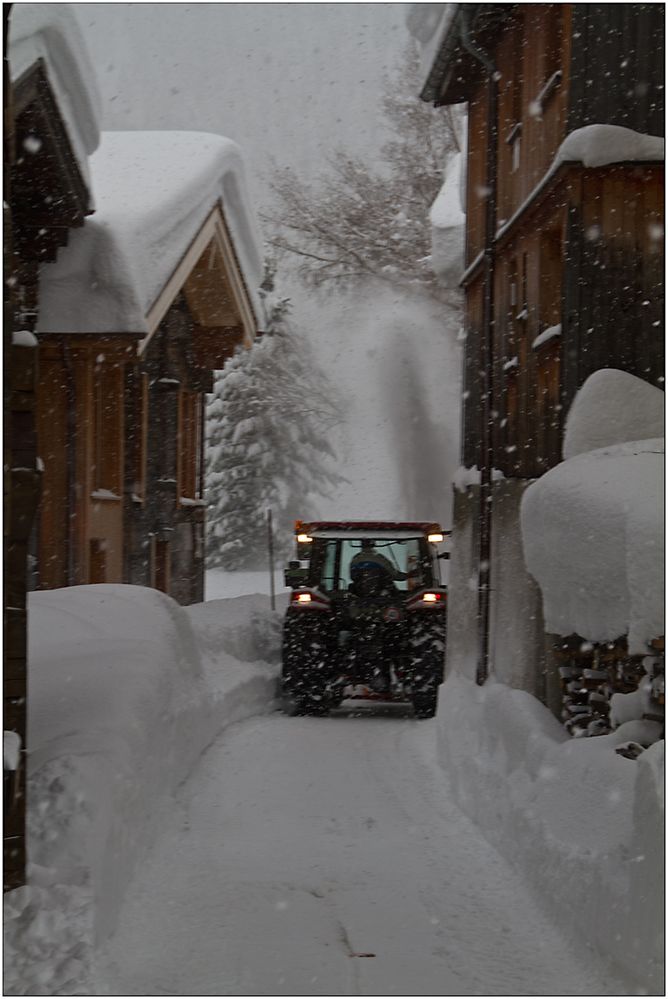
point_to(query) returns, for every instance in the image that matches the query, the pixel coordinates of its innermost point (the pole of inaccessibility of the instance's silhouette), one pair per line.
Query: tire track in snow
(312, 840)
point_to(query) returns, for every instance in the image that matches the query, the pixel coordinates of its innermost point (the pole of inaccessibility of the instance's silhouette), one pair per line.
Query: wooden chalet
(120, 413)
(564, 254)
(46, 197)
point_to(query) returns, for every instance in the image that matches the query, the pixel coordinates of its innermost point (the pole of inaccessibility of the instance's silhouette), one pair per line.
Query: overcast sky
(284, 80)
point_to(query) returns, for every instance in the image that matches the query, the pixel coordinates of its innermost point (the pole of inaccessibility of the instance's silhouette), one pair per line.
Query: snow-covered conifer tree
(267, 447)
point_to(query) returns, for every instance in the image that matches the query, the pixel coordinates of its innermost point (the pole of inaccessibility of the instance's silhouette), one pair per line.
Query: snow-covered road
(311, 856)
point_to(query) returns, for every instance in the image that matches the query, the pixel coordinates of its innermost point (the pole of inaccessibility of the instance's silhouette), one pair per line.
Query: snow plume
(397, 361)
(115, 724)
(583, 824)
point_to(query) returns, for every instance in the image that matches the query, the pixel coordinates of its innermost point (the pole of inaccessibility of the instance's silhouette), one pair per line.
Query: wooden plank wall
(533, 48)
(620, 46)
(615, 282)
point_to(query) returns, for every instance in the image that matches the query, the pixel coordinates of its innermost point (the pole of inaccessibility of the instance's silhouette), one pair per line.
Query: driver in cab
(368, 558)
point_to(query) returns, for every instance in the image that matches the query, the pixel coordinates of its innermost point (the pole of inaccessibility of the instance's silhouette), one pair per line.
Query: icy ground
(326, 856)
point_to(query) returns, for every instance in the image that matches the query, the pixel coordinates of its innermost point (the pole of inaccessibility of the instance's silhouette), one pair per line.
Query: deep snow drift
(583, 824)
(123, 700)
(127, 691)
(592, 526)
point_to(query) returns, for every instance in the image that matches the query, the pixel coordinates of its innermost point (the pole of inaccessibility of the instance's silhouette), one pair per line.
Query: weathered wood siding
(532, 59)
(164, 505)
(618, 66)
(614, 281)
(80, 433)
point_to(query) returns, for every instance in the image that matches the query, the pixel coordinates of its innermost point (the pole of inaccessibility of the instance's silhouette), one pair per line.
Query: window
(161, 565)
(335, 557)
(107, 418)
(190, 445)
(138, 441)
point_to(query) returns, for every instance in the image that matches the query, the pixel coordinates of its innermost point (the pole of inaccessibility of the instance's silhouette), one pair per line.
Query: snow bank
(154, 190)
(583, 824)
(123, 701)
(592, 527)
(592, 530)
(49, 31)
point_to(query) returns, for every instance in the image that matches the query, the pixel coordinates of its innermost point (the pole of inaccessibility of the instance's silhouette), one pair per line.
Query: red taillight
(427, 599)
(310, 600)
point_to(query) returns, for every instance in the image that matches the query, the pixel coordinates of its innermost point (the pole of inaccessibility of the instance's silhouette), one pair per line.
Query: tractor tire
(425, 702)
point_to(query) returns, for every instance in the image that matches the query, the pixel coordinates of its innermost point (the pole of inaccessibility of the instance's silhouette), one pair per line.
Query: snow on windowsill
(465, 477)
(547, 335)
(104, 494)
(188, 501)
(11, 750)
(24, 338)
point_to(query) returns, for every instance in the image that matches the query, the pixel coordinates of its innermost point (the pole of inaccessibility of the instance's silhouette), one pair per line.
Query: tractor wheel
(425, 702)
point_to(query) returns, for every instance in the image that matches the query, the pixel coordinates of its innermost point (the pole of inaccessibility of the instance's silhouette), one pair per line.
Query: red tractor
(367, 615)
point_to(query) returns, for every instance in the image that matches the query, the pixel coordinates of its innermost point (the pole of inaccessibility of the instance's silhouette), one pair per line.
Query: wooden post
(270, 548)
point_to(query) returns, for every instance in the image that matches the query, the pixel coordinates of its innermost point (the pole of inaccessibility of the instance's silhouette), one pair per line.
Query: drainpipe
(70, 390)
(487, 453)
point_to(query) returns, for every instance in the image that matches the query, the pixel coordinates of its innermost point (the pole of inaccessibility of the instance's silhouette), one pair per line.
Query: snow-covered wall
(49, 31)
(517, 639)
(123, 701)
(153, 192)
(582, 823)
(516, 642)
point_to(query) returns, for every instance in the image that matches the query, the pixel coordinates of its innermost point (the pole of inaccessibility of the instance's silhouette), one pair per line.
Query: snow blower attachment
(367, 615)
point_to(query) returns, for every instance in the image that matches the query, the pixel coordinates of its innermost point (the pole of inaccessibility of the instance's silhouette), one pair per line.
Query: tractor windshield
(332, 561)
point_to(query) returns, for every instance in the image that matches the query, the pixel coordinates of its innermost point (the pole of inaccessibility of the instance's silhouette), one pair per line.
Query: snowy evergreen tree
(357, 223)
(267, 448)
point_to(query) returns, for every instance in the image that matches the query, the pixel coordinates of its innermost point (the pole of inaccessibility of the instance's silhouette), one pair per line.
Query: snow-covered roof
(153, 191)
(593, 146)
(592, 527)
(613, 407)
(49, 31)
(429, 24)
(601, 145)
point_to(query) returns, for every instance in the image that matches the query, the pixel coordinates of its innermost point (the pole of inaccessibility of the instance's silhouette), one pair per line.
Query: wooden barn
(564, 263)
(47, 195)
(125, 361)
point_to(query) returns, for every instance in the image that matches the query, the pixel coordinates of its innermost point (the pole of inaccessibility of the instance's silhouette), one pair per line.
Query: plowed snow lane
(313, 856)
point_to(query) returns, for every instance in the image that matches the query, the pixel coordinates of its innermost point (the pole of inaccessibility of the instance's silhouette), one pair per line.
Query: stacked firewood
(591, 673)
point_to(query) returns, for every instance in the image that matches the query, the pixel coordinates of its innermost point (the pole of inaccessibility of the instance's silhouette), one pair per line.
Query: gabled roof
(450, 67)
(156, 192)
(48, 34)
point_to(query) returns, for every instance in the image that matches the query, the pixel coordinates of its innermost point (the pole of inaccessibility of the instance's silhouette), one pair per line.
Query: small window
(139, 441)
(190, 445)
(107, 429)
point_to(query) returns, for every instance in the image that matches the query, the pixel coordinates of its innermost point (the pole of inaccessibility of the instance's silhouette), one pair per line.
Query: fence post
(270, 547)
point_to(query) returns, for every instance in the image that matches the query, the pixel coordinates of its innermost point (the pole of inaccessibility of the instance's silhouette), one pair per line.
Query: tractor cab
(367, 613)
